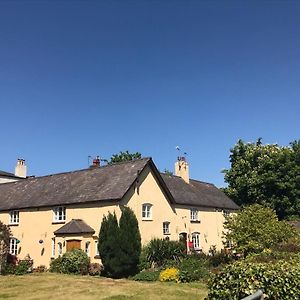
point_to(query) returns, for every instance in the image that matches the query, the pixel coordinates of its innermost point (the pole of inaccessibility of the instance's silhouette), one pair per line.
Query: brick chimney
(182, 169)
(21, 169)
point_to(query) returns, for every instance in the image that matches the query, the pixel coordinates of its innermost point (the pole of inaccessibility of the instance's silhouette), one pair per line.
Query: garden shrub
(280, 280)
(95, 269)
(159, 250)
(147, 275)
(24, 266)
(40, 269)
(72, 262)
(169, 274)
(193, 269)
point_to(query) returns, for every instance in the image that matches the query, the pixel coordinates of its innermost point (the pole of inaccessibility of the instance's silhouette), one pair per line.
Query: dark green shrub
(120, 245)
(95, 269)
(24, 266)
(193, 269)
(279, 280)
(72, 262)
(159, 250)
(219, 258)
(55, 265)
(147, 275)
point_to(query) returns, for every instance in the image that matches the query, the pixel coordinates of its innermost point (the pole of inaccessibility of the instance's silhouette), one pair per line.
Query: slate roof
(73, 227)
(108, 183)
(197, 193)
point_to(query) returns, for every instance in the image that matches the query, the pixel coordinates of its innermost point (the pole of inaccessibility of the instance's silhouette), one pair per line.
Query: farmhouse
(52, 214)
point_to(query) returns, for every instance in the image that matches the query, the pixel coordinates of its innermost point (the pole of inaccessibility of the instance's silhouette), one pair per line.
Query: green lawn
(59, 286)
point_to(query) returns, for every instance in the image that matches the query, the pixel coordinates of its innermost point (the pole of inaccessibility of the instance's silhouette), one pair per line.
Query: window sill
(58, 222)
(144, 219)
(195, 221)
(167, 233)
(13, 224)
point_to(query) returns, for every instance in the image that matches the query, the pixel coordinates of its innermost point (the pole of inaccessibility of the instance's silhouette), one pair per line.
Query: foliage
(159, 250)
(72, 262)
(280, 280)
(147, 275)
(267, 175)
(95, 269)
(124, 156)
(109, 247)
(168, 172)
(120, 245)
(130, 242)
(256, 228)
(219, 258)
(56, 265)
(40, 269)
(24, 266)
(5, 235)
(169, 274)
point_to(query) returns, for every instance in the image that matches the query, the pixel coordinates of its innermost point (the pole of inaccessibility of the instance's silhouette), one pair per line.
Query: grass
(59, 286)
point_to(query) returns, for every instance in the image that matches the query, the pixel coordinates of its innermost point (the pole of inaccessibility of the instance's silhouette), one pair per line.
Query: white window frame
(59, 248)
(166, 228)
(88, 248)
(196, 240)
(14, 218)
(97, 250)
(13, 246)
(147, 211)
(194, 214)
(59, 214)
(53, 247)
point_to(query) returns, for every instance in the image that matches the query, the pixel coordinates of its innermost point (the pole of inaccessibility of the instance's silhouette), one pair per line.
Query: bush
(219, 258)
(193, 269)
(95, 269)
(280, 280)
(24, 266)
(72, 262)
(40, 269)
(169, 274)
(147, 275)
(158, 250)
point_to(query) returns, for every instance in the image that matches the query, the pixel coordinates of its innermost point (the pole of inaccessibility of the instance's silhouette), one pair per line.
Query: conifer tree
(130, 241)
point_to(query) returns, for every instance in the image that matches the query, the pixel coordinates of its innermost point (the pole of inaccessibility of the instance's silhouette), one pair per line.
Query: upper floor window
(14, 217)
(13, 246)
(59, 214)
(147, 211)
(166, 227)
(194, 214)
(196, 240)
(226, 213)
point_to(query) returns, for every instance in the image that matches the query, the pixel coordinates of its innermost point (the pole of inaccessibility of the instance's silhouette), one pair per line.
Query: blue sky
(81, 78)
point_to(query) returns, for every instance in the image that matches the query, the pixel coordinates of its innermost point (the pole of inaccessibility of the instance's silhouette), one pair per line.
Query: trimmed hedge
(280, 280)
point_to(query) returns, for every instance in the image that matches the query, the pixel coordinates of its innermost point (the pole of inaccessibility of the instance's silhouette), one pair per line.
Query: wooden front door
(73, 244)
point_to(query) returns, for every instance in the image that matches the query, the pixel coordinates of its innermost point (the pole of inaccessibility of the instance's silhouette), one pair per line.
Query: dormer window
(147, 211)
(59, 214)
(194, 214)
(14, 217)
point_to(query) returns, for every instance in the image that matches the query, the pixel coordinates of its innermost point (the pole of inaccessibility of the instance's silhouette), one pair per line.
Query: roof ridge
(172, 175)
(86, 169)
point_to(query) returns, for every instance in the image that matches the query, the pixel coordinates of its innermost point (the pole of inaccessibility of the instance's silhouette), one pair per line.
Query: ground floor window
(96, 248)
(87, 248)
(166, 227)
(196, 240)
(59, 248)
(53, 247)
(13, 246)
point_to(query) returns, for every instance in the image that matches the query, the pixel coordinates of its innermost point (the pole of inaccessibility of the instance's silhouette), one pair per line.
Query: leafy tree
(120, 245)
(266, 174)
(124, 156)
(256, 228)
(5, 235)
(130, 241)
(168, 172)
